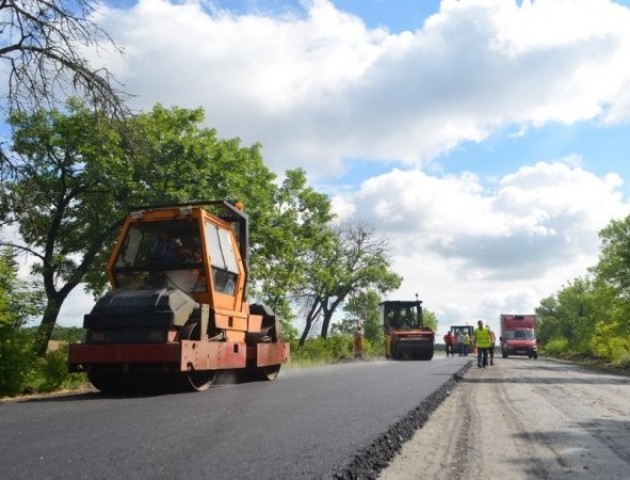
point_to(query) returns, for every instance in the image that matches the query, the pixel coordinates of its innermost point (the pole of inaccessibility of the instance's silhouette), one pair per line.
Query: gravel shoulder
(523, 419)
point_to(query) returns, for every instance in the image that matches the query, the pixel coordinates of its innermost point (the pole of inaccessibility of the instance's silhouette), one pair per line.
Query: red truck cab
(518, 335)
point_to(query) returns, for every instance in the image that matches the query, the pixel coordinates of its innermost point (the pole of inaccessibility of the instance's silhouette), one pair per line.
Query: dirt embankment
(524, 419)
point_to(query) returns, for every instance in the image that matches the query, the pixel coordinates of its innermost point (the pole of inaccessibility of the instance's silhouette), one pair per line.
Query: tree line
(590, 315)
(71, 177)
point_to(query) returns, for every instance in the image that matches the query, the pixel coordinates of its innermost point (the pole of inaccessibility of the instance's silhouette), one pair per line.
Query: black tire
(109, 382)
(129, 383)
(393, 353)
(427, 355)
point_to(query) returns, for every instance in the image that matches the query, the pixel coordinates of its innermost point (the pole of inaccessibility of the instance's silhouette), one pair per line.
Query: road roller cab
(406, 337)
(178, 312)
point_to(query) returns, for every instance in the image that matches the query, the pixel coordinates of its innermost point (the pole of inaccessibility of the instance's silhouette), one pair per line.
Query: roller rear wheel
(196, 380)
(129, 383)
(269, 372)
(109, 382)
(269, 335)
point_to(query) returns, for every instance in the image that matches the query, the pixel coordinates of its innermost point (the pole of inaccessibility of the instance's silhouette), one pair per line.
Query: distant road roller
(406, 336)
(178, 312)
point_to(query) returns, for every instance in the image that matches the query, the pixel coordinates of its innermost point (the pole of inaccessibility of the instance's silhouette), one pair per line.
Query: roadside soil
(524, 419)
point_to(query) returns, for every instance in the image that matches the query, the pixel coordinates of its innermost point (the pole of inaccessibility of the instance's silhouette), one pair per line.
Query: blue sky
(395, 15)
(487, 139)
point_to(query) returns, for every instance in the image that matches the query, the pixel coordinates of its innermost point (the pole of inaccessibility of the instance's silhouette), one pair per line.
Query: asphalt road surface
(524, 419)
(341, 421)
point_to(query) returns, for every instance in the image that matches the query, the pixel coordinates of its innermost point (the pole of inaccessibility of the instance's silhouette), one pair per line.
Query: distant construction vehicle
(177, 313)
(406, 336)
(518, 335)
(463, 330)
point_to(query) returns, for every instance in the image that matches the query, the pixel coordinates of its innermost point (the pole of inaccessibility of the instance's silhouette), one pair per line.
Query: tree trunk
(326, 324)
(329, 310)
(49, 320)
(310, 318)
(307, 329)
(54, 299)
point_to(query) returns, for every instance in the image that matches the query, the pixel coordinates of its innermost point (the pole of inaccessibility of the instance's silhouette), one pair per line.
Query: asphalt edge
(370, 461)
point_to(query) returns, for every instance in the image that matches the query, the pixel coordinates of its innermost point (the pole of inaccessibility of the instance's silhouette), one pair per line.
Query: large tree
(73, 177)
(287, 234)
(357, 259)
(56, 190)
(43, 51)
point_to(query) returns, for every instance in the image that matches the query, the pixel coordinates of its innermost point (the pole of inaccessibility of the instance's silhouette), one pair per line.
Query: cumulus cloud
(318, 88)
(469, 244)
(321, 87)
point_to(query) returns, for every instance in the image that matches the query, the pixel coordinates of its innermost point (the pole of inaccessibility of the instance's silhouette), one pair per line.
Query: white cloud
(469, 249)
(321, 87)
(318, 88)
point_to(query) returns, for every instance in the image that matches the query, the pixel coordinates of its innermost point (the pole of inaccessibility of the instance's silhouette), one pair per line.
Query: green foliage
(609, 345)
(60, 193)
(23, 372)
(285, 234)
(319, 350)
(362, 309)
(589, 316)
(614, 259)
(375, 347)
(574, 312)
(336, 347)
(17, 304)
(288, 330)
(430, 319)
(52, 372)
(74, 175)
(357, 260)
(17, 360)
(557, 346)
(68, 334)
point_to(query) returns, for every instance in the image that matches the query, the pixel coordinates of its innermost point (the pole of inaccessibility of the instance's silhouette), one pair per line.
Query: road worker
(449, 341)
(493, 341)
(466, 342)
(482, 343)
(358, 343)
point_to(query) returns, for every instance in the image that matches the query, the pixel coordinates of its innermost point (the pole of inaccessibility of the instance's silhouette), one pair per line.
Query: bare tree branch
(41, 42)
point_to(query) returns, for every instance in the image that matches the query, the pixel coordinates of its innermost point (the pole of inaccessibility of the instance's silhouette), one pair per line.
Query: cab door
(226, 268)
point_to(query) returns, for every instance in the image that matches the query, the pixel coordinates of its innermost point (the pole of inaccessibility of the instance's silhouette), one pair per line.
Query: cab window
(223, 259)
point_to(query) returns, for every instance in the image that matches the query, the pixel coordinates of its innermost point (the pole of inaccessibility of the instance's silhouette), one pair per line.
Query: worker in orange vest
(358, 343)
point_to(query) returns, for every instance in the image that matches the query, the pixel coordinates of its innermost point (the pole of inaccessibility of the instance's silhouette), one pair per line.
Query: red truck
(518, 335)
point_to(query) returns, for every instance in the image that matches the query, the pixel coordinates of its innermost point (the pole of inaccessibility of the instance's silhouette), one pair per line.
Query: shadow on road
(574, 453)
